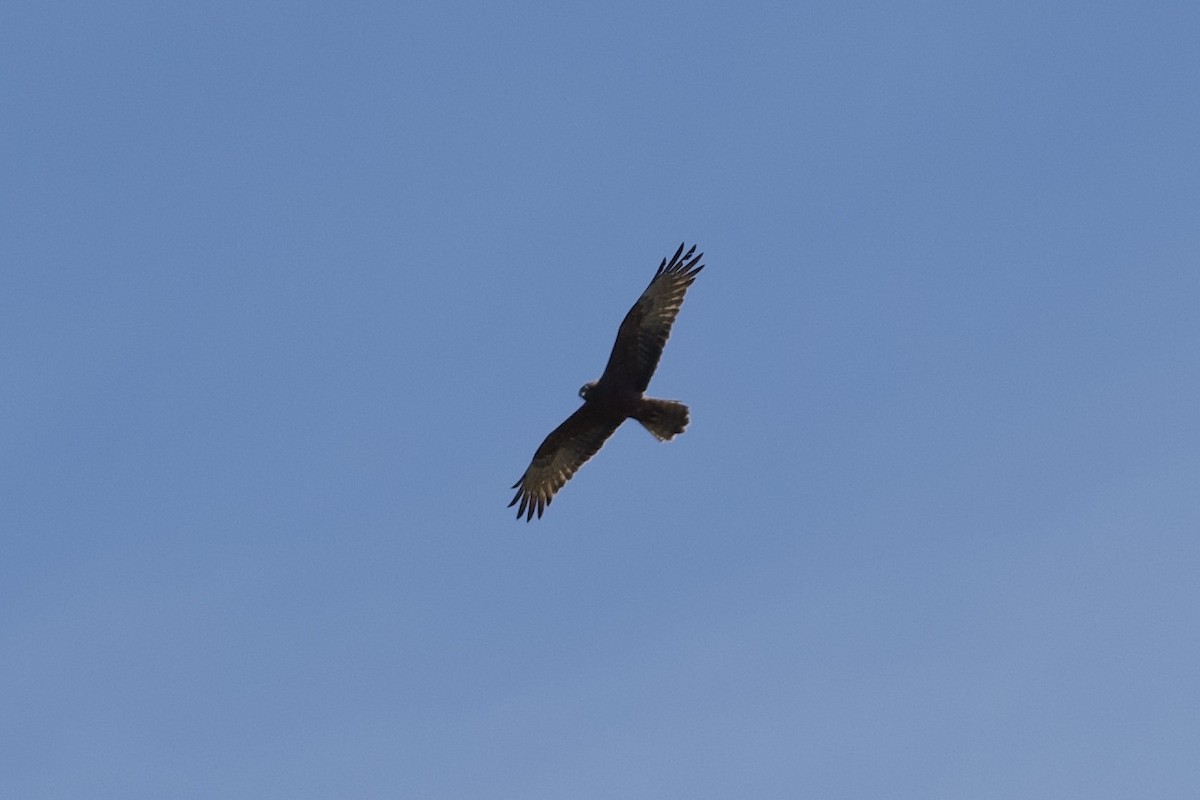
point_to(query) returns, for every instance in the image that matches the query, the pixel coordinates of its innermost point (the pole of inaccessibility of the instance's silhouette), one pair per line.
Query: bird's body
(619, 393)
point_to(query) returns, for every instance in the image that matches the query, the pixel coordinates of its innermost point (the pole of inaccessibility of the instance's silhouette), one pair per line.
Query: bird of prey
(618, 395)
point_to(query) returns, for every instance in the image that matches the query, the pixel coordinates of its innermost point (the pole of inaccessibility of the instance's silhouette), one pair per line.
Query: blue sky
(291, 292)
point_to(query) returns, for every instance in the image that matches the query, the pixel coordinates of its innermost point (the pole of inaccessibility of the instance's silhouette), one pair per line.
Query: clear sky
(290, 293)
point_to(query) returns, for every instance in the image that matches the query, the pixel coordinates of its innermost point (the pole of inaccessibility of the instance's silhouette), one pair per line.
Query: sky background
(291, 292)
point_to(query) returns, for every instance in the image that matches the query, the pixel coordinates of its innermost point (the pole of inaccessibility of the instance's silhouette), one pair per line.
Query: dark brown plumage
(618, 395)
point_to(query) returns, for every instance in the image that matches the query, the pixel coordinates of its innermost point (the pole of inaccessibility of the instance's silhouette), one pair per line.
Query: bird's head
(586, 389)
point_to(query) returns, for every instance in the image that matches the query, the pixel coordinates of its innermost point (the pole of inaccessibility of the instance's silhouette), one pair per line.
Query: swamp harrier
(618, 395)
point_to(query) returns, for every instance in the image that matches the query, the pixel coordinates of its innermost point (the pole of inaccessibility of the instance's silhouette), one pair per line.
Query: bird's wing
(644, 331)
(562, 453)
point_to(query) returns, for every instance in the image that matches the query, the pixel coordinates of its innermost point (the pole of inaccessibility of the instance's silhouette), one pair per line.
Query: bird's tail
(663, 418)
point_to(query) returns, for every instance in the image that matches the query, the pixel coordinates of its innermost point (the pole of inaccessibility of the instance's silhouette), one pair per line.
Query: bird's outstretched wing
(644, 331)
(560, 455)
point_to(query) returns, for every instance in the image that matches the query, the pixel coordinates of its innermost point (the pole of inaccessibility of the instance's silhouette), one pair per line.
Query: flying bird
(619, 394)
